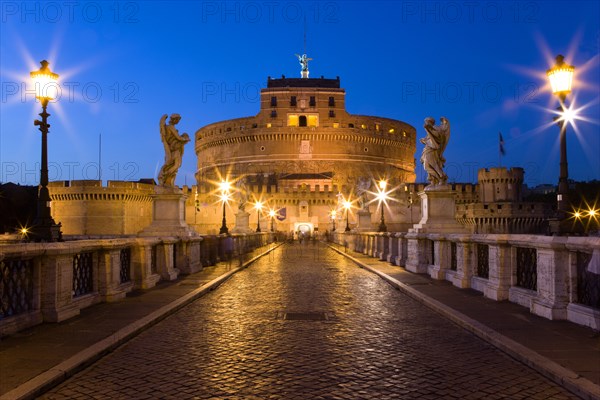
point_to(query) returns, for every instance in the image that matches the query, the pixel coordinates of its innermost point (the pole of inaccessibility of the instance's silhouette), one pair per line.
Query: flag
(501, 143)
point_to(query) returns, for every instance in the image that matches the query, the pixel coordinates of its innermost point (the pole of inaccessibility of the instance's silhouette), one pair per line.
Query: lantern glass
(45, 82)
(561, 76)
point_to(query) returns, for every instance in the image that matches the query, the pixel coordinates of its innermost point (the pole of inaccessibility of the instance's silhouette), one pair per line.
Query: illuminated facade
(301, 151)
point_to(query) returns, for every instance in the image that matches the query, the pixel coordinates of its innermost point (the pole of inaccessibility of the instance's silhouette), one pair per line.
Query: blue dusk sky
(123, 64)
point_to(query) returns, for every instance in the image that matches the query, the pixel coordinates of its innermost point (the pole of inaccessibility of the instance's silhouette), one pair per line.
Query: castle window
(350, 125)
(377, 127)
(331, 101)
(273, 101)
(269, 125)
(273, 113)
(363, 126)
(336, 125)
(313, 101)
(293, 101)
(313, 120)
(331, 114)
(292, 120)
(254, 126)
(302, 120)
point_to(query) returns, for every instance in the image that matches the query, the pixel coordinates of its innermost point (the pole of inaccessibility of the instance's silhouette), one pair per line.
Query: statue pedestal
(242, 222)
(168, 214)
(364, 221)
(438, 209)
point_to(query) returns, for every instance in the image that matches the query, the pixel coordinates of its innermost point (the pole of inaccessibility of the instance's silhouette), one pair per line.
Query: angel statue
(363, 186)
(303, 59)
(173, 143)
(242, 189)
(435, 143)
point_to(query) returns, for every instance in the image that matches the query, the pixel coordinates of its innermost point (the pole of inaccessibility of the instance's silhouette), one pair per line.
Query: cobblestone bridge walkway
(305, 323)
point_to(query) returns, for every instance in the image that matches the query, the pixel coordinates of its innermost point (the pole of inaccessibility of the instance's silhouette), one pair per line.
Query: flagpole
(500, 149)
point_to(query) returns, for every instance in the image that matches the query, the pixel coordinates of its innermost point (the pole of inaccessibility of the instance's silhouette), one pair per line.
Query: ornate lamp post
(224, 187)
(561, 80)
(381, 196)
(333, 216)
(347, 206)
(272, 214)
(44, 229)
(258, 205)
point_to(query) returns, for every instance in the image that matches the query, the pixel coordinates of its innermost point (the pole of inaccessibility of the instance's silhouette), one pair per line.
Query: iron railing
(588, 282)
(83, 277)
(453, 262)
(431, 250)
(527, 268)
(16, 287)
(125, 269)
(174, 255)
(153, 266)
(483, 260)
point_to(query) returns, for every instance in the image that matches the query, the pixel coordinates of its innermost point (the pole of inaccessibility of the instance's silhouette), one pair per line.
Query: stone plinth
(242, 222)
(168, 214)
(438, 211)
(364, 221)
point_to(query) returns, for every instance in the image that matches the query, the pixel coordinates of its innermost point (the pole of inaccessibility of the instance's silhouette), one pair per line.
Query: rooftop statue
(435, 143)
(173, 143)
(303, 59)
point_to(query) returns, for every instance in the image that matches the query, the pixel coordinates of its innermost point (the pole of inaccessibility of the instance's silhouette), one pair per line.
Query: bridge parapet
(51, 282)
(557, 278)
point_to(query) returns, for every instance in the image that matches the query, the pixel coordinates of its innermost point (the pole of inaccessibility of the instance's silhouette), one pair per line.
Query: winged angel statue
(173, 143)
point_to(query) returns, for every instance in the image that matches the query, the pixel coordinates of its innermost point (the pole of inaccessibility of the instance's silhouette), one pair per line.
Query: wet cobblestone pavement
(306, 323)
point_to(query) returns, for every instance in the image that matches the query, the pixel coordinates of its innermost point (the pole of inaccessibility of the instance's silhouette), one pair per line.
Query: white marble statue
(435, 143)
(173, 143)
(362, 190)
(242, 190)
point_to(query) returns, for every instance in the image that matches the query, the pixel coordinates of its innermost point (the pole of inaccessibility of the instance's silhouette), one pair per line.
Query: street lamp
(224, 187)
(44, 229)
(381, 196)
(347, 206)
(272, 214)
(561, 80)
(258, 205)
(333, 215)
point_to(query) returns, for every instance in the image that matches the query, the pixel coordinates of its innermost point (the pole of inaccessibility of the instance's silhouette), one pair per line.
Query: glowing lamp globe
(561, 77)
(45, 82)
(224, 186)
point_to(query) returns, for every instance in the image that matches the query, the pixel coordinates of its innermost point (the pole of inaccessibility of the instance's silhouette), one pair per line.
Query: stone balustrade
(52, 282)
(555, 277)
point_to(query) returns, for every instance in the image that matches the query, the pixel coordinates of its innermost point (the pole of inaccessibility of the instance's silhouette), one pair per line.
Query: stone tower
(500, 184)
